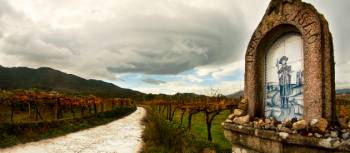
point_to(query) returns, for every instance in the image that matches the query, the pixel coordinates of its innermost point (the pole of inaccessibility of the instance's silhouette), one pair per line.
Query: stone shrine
(294, 30)
(289, 92)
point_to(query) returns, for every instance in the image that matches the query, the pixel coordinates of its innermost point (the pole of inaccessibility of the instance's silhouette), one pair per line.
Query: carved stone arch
(299, 17)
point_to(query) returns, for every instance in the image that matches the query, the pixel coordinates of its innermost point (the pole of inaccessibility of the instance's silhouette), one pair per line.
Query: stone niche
(289, 73)
(289, 64)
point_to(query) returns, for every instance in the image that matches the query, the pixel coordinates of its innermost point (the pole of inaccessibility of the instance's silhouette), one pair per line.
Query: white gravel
(120, 136)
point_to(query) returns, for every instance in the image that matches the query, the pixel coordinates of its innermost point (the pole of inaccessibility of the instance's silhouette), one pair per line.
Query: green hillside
(49, 79)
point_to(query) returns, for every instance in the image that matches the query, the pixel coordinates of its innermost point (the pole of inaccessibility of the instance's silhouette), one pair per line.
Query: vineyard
(211, 107)
(193, 115)
(33, 105)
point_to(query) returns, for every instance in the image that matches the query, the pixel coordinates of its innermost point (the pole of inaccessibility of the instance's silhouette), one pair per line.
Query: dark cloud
(156, 43)
(153, 81)
(166, 37)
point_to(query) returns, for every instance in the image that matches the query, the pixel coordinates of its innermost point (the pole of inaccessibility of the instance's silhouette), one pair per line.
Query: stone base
(246, 139)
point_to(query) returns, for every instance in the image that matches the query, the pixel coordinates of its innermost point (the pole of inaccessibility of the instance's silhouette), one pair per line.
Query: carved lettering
(309, 24)
(292, 18)
(253, 44)
(313, 38)
(309, 29)
(303, 17)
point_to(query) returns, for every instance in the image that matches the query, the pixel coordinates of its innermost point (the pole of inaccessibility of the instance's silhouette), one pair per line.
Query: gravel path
(120, 136)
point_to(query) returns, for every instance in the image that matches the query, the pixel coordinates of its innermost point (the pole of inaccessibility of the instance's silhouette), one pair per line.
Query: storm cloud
(201, 43)
(145, 41)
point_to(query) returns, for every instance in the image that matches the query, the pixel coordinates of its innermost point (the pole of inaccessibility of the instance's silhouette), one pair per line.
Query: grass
(199, 127)
(166, 136)
(16, 133)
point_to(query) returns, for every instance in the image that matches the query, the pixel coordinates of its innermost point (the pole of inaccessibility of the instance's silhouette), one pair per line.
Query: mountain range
(46, 78)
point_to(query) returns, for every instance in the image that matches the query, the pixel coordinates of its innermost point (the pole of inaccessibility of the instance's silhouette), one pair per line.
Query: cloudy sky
(154, 46)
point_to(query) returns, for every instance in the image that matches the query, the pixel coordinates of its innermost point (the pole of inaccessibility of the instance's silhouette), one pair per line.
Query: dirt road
(120, 136)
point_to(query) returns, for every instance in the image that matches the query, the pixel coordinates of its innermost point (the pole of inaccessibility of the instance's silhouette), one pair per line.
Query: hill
(50, 79)
(236, 95)
(343, 91)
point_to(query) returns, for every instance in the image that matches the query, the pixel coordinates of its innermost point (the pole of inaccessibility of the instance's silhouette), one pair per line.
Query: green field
(199, 127)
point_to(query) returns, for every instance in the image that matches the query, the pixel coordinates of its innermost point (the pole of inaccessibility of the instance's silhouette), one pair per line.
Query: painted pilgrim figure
(284, 76)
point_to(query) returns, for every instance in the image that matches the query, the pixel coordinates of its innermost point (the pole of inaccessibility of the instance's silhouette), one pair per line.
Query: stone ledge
(261, 140)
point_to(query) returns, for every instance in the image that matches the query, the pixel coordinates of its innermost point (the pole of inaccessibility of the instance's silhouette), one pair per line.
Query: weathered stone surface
(318, 135)
(231, 116)
(238, 112)
(334, 134)
(313, 122)
(228, 121)
(241, 120)
(299, 125)
(243, 105)
(345, 135)
(319, 126)
(258, 140)
(283, 135)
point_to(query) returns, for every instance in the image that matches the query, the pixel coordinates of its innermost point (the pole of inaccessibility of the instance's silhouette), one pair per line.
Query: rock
(343, 122)
(250, 124)
(310, 134)
(255, 124)
(294, 120)
(231, 116)
(334, 134)
(313, 122)
(241, 120)
(279, 127)
(238, 113)
(318, 135)
(287, 130)
(299, 125)
(243, 105)
(261, 121)
(345, 135)
(228, 121)
(289, 124)
(283, 135)
(336, 144)
(274, 122)
(320, 126)
(272, 128)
